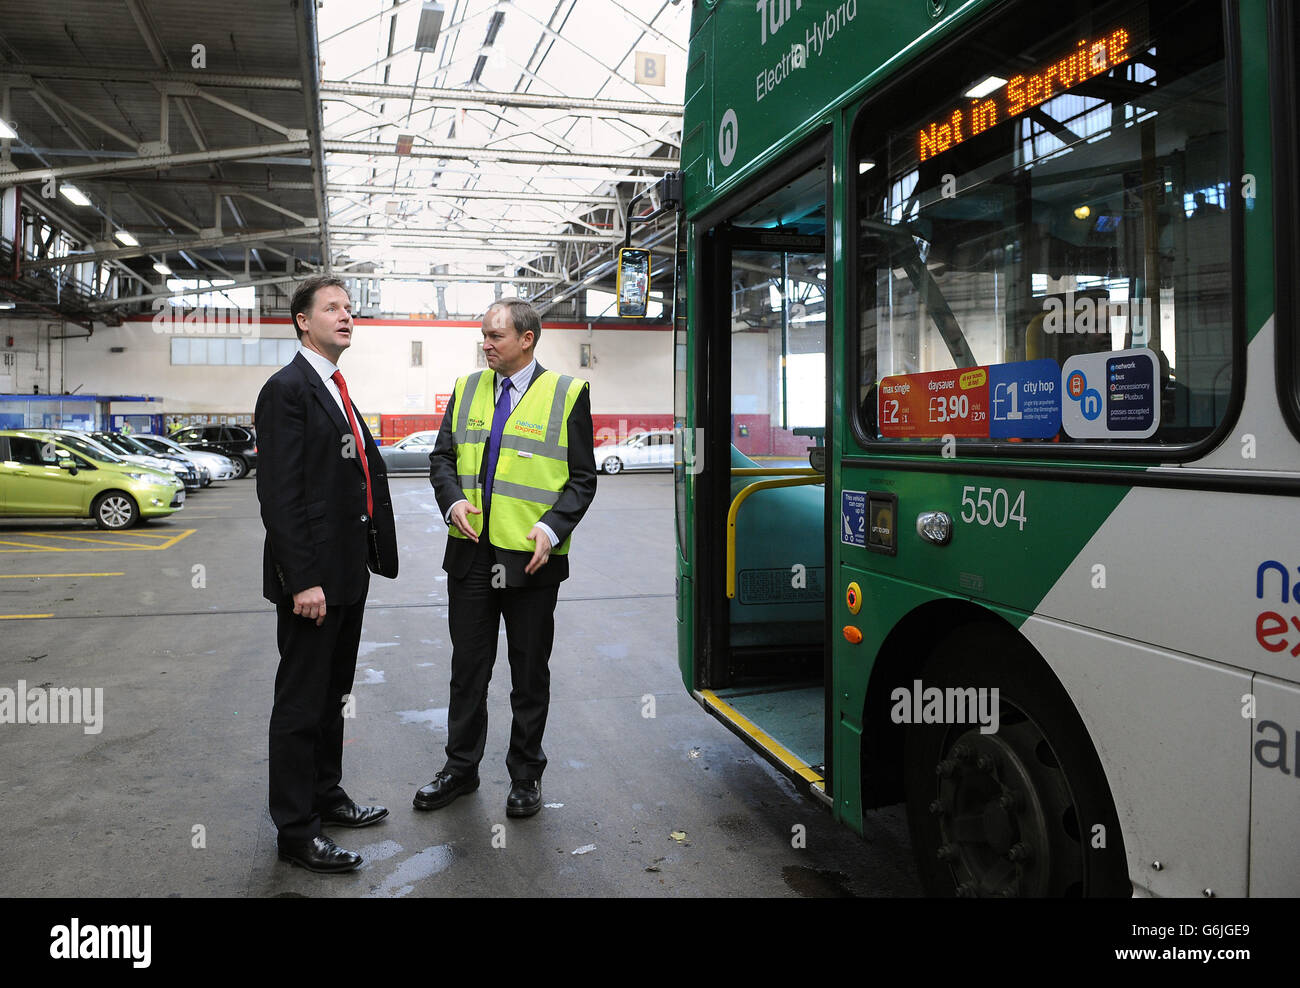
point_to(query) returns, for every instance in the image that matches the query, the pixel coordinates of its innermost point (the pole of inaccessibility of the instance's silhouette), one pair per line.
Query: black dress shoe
(349, 814)
(443, 789)
(319, 854)
(525, 797)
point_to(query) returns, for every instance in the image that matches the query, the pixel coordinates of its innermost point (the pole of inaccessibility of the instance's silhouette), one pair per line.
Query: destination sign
(1024, 92)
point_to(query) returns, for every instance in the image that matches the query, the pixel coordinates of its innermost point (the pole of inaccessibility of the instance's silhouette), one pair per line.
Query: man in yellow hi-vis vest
(513, 472)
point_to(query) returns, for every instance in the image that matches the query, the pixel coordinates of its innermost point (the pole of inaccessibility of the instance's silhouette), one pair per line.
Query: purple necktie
(494, 439)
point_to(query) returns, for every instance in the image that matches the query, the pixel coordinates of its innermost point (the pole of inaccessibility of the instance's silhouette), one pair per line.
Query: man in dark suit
(513, 472)
(329, 524)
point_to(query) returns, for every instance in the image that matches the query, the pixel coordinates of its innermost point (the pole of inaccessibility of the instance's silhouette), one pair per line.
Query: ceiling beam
(432, 94)
(124, 300)
(454, 152)
(150, 162)
(189, 243)
(309, 65)
(521, 195)
(478, 235)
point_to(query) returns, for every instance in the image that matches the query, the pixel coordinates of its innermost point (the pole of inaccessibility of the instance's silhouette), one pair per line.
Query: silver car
(411, 453)
(220, 467)
(640, 451)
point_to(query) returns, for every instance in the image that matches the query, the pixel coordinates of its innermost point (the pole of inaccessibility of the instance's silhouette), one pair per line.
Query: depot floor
(170, 797)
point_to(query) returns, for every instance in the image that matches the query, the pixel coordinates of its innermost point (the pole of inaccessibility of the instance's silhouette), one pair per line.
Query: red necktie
(356, 432)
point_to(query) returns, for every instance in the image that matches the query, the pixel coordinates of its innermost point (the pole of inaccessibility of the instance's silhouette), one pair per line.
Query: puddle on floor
(365, 648)
(435, 718)
(401, 882)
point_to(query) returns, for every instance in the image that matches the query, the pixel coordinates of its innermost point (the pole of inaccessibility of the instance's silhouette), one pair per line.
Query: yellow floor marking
(86, 538)
(19, 617)
(108, 544)
(49, 576)
(780, 751)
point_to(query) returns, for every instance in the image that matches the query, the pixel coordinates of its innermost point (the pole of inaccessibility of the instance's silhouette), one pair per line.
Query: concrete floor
(186, 659)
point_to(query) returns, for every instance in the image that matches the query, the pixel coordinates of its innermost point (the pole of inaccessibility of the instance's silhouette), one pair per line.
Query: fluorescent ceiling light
(984, 87)
(126, 238)
(74, 195)
(7, 132)
(426, 34)
(161, 268)
(8, 305)
(865, 166)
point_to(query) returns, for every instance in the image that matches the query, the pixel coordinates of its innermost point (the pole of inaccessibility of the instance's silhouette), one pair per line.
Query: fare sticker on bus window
(1024, 91)
(934, 405)
(1111, 395)
(1025, 400)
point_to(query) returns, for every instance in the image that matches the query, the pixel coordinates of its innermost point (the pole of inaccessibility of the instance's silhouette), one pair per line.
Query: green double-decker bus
(990, 428)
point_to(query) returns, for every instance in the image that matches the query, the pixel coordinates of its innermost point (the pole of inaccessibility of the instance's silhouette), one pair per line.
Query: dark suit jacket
(562, 518)
(313, 494)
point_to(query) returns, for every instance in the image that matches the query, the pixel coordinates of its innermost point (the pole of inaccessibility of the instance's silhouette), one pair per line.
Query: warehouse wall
(631, 373)
(36, 356)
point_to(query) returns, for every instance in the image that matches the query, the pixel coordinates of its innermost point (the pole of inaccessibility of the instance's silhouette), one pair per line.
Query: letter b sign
(649, 68)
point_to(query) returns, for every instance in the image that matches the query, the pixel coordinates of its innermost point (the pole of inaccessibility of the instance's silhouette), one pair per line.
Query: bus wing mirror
(633, 282)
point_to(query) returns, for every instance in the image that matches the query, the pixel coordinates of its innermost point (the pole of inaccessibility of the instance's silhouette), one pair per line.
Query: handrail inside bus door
(804, 476)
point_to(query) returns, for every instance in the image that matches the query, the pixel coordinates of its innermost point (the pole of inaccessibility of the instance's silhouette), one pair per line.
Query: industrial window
(224, 351)
(1043, 232)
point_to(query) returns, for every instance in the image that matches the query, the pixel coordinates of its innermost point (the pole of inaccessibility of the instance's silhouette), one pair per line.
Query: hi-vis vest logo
(535, 429)
(475, 422)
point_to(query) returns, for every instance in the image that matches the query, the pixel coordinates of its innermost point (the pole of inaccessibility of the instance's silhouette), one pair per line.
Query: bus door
(762, 662)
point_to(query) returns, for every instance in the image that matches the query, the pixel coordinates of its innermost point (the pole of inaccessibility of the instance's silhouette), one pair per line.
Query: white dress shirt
(326, 370)
(519, 382)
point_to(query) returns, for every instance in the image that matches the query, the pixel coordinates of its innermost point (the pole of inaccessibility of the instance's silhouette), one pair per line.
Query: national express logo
(1273, 631)
(530, 429)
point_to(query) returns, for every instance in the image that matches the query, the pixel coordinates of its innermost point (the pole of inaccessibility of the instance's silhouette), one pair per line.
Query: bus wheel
(1021, 812)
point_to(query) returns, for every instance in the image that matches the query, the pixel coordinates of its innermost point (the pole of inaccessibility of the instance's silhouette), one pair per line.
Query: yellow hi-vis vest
(533, 462)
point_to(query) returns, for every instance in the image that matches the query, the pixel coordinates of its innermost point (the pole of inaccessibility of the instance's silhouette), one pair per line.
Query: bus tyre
(114, 510)
(1023, 812)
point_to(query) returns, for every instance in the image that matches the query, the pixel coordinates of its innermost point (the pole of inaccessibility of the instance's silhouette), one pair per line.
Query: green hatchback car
(42, 474)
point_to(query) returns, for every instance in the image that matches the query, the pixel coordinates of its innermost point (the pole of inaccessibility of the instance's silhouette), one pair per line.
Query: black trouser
(474, 616)
(317, 666)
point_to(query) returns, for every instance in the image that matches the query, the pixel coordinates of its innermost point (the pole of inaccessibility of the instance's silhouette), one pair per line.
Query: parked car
(126, 447)
(89, 443)
(640, 451)
(411, 453)
(219, 467)
(183, 466)
(49, 475)
(235, 441)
